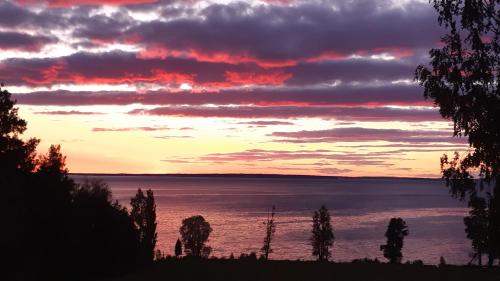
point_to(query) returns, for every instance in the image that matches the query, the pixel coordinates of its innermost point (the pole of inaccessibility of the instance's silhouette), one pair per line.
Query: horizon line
(246, 175)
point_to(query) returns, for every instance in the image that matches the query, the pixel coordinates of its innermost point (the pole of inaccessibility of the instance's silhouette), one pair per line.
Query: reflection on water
(360, 209)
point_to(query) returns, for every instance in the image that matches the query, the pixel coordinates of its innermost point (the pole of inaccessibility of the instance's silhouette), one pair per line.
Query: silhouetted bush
(252, 256)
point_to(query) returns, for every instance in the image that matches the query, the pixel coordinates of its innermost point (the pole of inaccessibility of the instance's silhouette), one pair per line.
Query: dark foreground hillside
(240, 270)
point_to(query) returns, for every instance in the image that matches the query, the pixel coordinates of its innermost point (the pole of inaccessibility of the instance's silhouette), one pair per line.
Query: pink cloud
(356, 134)
(70, 112)
(147, 129)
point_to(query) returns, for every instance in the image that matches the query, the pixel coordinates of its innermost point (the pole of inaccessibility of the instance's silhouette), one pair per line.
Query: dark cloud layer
(337, 96)
(349, 70)
(16, 16)
(126, 68)
(69, 3)
(23, 41)
(338, 113)
(281, 33)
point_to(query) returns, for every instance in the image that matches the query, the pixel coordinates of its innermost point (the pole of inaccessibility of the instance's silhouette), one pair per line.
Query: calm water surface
(360, 209)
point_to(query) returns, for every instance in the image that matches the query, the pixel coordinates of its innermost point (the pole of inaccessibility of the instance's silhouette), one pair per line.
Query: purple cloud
(336, 96)
(23, 41)
(284, 33)
(379, 158)
(356, 134)
(265, 123)
(285, 112)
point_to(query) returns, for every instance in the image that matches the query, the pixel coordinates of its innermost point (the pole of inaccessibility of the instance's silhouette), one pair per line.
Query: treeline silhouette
(195, 232)
(54, 227)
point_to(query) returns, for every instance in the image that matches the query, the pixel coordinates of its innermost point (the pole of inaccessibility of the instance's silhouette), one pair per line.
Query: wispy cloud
(126, 129)
(69, 112)
(357, 134)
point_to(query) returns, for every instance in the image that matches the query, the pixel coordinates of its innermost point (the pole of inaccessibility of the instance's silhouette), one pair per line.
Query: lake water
(360, 209)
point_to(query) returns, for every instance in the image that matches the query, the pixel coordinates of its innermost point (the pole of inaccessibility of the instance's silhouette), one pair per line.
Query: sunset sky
(282, 86)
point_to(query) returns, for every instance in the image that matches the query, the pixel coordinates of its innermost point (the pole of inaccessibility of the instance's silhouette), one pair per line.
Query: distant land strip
(236, 175)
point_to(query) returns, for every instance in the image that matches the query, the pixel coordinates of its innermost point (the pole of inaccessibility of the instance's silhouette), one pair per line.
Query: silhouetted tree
(16, 156)
(50, 194)
(396, 232)
(462, 79)
(195, 232)
(270, 229)
(322, 234)
(178, 248)
(17, 162)
(144, 217)
(476, 226)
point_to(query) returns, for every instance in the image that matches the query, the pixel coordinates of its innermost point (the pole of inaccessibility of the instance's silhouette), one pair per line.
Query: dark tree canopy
(396, 232)
(10, 123)
(16, 156)
(143, 214)
(195, 232)
(57, 229)
(270, 230)
(463, 80)
(322, 234)
(105, 239)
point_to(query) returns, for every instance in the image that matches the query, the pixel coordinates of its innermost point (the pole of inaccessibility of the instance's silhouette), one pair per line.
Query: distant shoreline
(247, 176)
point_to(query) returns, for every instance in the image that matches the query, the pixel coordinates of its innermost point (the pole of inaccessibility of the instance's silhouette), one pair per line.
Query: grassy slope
(241, 270)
